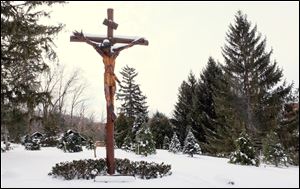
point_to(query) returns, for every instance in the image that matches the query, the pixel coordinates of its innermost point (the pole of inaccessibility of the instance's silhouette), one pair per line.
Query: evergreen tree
(288, 130)
(184, 115)
(253, 77)
(138, 122)
(160, 127)
(191, 145)
(122, 128)
(175, 145)
(145, 144)
(26, 45)
(273, 151)
(128, 145)
(227, 126)
(245, 153)
(133, 102)
(204, 102)
(166, 143)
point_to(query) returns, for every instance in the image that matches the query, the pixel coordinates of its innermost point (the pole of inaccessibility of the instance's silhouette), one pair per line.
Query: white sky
(181, 35)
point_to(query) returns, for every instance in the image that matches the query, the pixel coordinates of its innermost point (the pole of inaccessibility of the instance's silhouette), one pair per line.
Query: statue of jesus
(109, 54)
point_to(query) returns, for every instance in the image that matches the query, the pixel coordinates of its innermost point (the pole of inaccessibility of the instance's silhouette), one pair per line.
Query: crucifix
(105, 46)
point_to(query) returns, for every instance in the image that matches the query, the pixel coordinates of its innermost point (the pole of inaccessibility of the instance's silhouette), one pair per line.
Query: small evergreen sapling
(191, 145)
(166, 143)
(273, 150)
(175, 145)
(145, 144)
(245, 153)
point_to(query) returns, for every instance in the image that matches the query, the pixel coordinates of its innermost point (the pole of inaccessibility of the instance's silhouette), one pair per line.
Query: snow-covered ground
(22, 168)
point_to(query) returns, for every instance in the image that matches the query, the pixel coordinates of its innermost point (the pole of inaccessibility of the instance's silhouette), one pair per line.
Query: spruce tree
(191, 145)
(175, 145)
(273, 150)
(166, 143)
(245, 153)
(160, 127)
(288, 130)
(227, 125)
(138, 122)
(253, 77)
(204, 102)
(144, 144)
(184, 114)
(133, 101)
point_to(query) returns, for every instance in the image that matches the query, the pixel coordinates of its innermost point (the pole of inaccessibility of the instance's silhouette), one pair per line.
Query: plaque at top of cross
(104, 45)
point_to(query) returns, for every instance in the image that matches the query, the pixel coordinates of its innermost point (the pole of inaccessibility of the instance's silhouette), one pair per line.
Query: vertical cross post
(110, 156)
(110, 17)
(111, 25)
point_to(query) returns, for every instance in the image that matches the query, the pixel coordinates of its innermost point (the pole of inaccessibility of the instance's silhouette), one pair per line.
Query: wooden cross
(111, 25)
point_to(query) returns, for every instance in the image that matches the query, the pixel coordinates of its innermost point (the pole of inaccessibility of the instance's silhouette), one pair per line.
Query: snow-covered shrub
(90, 168)
(51, 141)
(71, 142)
(32, 145)
(79, 169)
(245, 153)
(24, 139)
(191, 145)
(175, 145)
(5, 148)
(145, 144)
(273, 150)
(145, 170)
(166, 143)
(30, 142)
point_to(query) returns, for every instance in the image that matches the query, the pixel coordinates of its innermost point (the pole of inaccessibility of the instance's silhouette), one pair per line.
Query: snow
(22, 168)
(113, 179)
(115, 36)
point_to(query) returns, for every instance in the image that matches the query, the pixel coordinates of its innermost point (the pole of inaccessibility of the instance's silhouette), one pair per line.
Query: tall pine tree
(253, 77)
(133, 109)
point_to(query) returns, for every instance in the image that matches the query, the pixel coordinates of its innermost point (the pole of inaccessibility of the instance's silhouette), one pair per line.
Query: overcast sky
(181, 35)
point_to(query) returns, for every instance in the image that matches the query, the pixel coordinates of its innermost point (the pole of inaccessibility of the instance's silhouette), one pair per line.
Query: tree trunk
(6, 138)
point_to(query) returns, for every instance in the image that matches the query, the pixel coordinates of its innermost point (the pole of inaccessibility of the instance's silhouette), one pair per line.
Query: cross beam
(116, 39)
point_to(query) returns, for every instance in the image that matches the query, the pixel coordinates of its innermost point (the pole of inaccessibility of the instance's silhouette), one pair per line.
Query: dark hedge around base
(89, 169)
